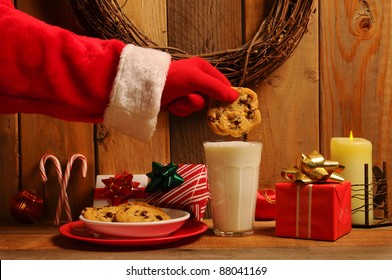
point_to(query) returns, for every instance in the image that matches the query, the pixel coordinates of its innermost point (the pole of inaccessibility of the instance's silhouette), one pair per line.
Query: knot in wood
(364, 26)
(101, 133)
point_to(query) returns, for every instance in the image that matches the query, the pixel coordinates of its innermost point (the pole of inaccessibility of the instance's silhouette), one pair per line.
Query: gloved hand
(189, 85)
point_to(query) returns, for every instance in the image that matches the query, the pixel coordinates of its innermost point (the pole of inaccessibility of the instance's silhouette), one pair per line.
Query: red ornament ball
(27, 206)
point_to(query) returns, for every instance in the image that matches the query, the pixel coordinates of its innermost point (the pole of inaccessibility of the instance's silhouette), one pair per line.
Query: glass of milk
(233, 178)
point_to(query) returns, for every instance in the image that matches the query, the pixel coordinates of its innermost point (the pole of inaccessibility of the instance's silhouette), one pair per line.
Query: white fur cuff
(136, 95)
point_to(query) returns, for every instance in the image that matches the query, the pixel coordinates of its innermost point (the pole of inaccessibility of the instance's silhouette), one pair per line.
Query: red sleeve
(6, 3)
(48, 70)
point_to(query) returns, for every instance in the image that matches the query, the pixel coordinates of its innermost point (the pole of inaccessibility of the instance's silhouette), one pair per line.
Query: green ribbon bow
(163, 178)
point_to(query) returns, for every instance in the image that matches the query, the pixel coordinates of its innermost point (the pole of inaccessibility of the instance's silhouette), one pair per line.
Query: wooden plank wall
(355, 75)
(337, 80)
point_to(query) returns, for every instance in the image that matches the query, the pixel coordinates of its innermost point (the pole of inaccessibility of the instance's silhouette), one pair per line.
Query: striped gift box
(191, 196)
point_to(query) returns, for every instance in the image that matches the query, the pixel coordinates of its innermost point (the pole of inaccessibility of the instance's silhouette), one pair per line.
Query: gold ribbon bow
(314, 168)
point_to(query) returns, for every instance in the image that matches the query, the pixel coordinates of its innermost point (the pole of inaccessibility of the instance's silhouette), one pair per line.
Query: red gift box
(265, 205)
(319, 211)
(191, 196)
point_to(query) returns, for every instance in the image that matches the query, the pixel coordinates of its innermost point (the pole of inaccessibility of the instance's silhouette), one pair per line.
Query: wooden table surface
(44, 242)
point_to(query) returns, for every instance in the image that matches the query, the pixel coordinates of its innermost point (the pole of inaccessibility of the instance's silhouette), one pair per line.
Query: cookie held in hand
(237, 118)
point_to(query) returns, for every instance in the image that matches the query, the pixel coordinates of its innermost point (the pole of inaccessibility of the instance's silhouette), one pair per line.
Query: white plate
(139, 229)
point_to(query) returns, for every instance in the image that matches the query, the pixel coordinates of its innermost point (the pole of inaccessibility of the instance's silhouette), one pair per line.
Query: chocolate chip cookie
(141, 212)
(128, 212)
(103, 214)
(237, 118)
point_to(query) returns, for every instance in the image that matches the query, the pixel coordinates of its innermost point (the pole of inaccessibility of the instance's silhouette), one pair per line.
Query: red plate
(77, 230)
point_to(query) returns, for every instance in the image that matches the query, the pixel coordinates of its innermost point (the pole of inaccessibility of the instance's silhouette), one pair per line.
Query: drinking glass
(233, 178)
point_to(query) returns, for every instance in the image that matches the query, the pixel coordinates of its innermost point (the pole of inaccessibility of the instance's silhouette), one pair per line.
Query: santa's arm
(48, 70)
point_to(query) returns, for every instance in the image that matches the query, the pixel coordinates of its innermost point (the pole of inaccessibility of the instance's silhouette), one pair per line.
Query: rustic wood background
(336, 81)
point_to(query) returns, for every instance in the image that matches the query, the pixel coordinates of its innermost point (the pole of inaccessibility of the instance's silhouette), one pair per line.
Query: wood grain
(44, 242)
(117, 152)
(149, 16)
(199, 27)
(288, 101)
(9, 162)
(355, 65)
(41, 135)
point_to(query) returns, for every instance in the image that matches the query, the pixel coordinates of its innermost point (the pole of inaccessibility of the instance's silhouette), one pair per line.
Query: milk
(233, 174)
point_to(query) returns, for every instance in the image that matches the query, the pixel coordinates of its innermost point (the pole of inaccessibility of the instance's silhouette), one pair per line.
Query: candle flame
(351, 135)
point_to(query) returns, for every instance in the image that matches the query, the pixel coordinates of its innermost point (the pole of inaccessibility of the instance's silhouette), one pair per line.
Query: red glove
(189, 84)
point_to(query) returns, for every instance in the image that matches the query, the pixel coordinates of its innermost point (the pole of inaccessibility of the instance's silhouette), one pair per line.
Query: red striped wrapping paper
(191, 196)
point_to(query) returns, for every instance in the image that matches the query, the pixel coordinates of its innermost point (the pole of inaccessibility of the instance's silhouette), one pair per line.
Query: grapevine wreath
(274, 42)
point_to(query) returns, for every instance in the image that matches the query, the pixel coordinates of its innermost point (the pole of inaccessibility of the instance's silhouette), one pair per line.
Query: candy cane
(64, 183)
(44, 179)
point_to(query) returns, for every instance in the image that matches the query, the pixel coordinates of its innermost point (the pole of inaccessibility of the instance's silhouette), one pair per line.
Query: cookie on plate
(237, 118)
(103, 214)
(127, 212)
(141, 212)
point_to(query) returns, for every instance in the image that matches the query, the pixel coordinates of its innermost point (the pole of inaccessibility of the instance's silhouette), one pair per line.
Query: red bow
(119, 188)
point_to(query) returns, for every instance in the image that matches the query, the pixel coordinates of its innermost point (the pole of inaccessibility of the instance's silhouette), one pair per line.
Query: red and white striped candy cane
(44, 179)
(65, 181)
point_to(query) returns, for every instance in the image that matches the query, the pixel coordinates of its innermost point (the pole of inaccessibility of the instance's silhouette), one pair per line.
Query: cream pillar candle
(354, 153)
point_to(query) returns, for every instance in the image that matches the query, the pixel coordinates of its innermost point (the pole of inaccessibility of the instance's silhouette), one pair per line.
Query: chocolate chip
(109, 215)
